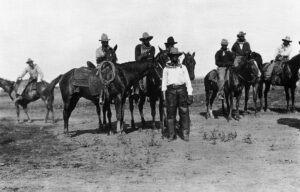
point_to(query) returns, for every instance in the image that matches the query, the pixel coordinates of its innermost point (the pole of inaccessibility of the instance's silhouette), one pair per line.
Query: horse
(43, 90)
(153, 92)
(154, 88)
(245, 79)
(125, 76)
(290, 78)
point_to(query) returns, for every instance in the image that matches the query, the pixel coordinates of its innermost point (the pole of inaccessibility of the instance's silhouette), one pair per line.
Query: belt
(173, 86)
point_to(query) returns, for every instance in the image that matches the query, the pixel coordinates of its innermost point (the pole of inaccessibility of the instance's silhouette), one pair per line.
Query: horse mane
(294, 63)
(130, 65)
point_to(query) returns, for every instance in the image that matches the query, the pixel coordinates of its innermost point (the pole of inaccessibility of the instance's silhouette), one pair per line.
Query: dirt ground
(257, 153)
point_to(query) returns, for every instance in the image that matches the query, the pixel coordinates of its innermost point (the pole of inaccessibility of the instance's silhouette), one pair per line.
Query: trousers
(176, 99)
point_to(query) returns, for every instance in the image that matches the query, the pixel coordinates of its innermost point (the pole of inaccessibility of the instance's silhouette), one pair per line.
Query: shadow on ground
(292, 122)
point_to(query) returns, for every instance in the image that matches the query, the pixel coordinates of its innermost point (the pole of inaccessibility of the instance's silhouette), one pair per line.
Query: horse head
(111, 54)
(190, 62)
(248, 69)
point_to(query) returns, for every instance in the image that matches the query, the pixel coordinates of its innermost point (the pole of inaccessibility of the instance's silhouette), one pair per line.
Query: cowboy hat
(29, 61)
(287, 38)
(146, 36)
(170, 41)
(174, 52)
(241, 34)
(224, 42)
(104, 37)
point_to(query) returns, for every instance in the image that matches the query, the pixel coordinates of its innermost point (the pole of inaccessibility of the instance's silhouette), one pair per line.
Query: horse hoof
(29, 121)
(140, 129)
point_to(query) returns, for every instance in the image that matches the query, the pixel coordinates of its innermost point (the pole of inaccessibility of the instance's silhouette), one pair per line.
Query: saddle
(22, 85)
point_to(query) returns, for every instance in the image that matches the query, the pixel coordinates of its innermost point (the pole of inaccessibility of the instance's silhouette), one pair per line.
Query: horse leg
(98, 110)
(118, 106)
(293, 99)
(68, 108)
(17, 111)
(153, 111)
(230, 106)
(259, 92)
(109, 114)
(254, 90)
(212, 98)
(26, 112)
(141, 106)
(238, 106)
(131, 107)
(287, 97)
(247, 87)
(161, 113)
(267, 88)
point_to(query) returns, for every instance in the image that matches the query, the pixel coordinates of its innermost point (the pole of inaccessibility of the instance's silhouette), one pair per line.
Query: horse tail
(49, 89)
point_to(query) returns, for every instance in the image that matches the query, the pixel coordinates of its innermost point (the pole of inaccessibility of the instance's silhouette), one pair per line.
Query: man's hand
(190, 99)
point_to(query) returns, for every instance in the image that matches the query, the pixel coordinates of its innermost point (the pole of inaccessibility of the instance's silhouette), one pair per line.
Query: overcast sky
(62, 34)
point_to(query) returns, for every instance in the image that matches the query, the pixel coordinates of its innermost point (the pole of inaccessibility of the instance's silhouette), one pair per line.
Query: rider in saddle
(144, 51)
(34, 71)
(240, 48)
(282, 55)
(224, 59)
(177, 92)
(102, 55)
(104, 49)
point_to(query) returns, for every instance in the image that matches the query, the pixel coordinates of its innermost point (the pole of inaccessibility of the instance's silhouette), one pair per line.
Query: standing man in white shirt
(177, 92)
(34, 72)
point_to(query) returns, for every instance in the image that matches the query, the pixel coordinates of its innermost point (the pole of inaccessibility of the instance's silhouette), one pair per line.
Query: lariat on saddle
(107, 74)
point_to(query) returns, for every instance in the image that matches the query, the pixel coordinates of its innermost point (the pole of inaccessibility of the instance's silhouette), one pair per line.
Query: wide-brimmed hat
(146, 36)
(170, 41)
(29, 61)
(104, 37)
(224, 42)
(174, 52)
(287, 38)
(241, 34)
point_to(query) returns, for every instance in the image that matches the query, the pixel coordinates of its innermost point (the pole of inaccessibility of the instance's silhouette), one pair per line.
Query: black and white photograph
(149, 96)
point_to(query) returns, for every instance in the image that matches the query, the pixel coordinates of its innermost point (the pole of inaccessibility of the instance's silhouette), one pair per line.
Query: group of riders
(176, 85)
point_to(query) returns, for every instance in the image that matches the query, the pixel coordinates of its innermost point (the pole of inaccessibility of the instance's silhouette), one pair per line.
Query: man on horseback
(34, 71)
(224, 59)
(177, 92)
(282, 55)
(240, 48)
(144, 51)
(104, 50)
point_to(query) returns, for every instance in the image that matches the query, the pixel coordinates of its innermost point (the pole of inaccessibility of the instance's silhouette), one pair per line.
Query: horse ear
(184, 53)
(115, 47)
(160, 49)
(193, 55)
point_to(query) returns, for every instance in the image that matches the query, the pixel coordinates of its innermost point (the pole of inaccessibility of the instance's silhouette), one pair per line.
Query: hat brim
(104, 40)
(286, 40)
(147, 38)
(241, 35)
(174, 54)
(173, 43)
(29, 62)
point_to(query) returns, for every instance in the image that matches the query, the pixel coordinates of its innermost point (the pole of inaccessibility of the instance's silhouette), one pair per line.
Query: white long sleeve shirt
(284, 51)
(177, 76)
(33, 72)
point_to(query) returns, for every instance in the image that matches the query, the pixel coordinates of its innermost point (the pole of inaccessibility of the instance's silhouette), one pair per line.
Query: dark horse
(44, 91)
(154, 88)
(290, 78)
(125, 75)
(245, 75)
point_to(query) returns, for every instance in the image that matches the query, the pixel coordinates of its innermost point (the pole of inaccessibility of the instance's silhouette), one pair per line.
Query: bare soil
(257, 153)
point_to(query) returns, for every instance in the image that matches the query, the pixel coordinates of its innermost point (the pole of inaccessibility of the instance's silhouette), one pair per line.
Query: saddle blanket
(81, 77)
(85, 77)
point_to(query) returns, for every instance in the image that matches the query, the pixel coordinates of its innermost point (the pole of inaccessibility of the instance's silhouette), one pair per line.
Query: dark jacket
(225, 60)
(237, 51)
(140, 57)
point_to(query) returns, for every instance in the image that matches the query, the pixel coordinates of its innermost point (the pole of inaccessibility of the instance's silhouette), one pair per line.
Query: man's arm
(23, 73)
(219, 63)
(138, 55)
